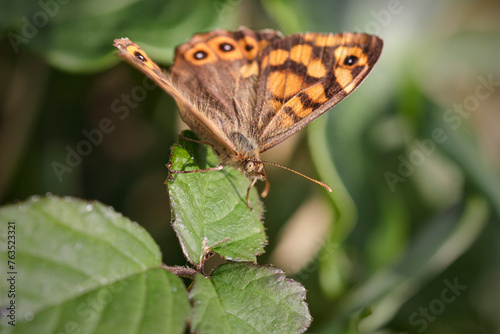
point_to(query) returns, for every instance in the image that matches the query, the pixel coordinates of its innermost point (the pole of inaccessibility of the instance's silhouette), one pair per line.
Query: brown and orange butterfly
(246, 91)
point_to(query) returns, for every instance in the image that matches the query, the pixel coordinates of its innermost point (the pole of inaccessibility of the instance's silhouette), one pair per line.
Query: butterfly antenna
(304, 176)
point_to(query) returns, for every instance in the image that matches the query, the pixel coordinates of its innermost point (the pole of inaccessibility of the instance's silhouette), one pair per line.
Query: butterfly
(243, 92)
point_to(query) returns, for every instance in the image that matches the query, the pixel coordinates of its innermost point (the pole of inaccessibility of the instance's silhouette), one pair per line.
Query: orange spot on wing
(278, 57)
(274, 104)
(325, 40)
(309, 36)
(301, 53)
(298, 108)
(316, 68)
(344, 78)
(276, 83)
(246, 43)
(265, 62)
(293, 85)
(316, 93)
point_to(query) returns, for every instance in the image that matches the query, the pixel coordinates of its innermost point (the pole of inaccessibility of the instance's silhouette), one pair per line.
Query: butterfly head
(254, 168)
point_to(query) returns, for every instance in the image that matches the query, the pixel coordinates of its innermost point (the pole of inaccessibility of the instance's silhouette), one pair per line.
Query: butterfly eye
(350, 60)
(249, 166)
(199, 55)
(139, 56)
(226, 47)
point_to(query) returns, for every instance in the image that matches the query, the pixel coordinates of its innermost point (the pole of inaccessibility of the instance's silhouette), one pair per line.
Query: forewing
(304, 75)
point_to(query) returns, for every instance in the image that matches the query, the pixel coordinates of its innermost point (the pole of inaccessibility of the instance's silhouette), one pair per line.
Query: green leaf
(78, 35)
(82, 267)
(446, 238)
(247, 298)
(209, 210)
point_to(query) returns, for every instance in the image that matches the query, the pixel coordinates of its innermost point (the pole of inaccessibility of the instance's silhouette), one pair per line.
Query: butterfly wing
(218, 70)
(304, 75)
(247, 91)
(134, 55)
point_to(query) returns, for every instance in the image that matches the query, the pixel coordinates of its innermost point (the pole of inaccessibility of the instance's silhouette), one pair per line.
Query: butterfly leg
(255, 177)
(248, 193)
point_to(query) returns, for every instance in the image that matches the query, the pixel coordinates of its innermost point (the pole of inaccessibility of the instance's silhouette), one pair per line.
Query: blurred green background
(408, 242)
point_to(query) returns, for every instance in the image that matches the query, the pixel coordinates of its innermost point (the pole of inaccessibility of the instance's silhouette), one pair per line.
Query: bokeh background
(409, 240)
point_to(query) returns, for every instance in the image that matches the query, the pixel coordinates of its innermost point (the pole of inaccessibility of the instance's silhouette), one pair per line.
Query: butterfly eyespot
(139, 56)
(199, 55)
(248, 47)
(350, 60)
(226, 47)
